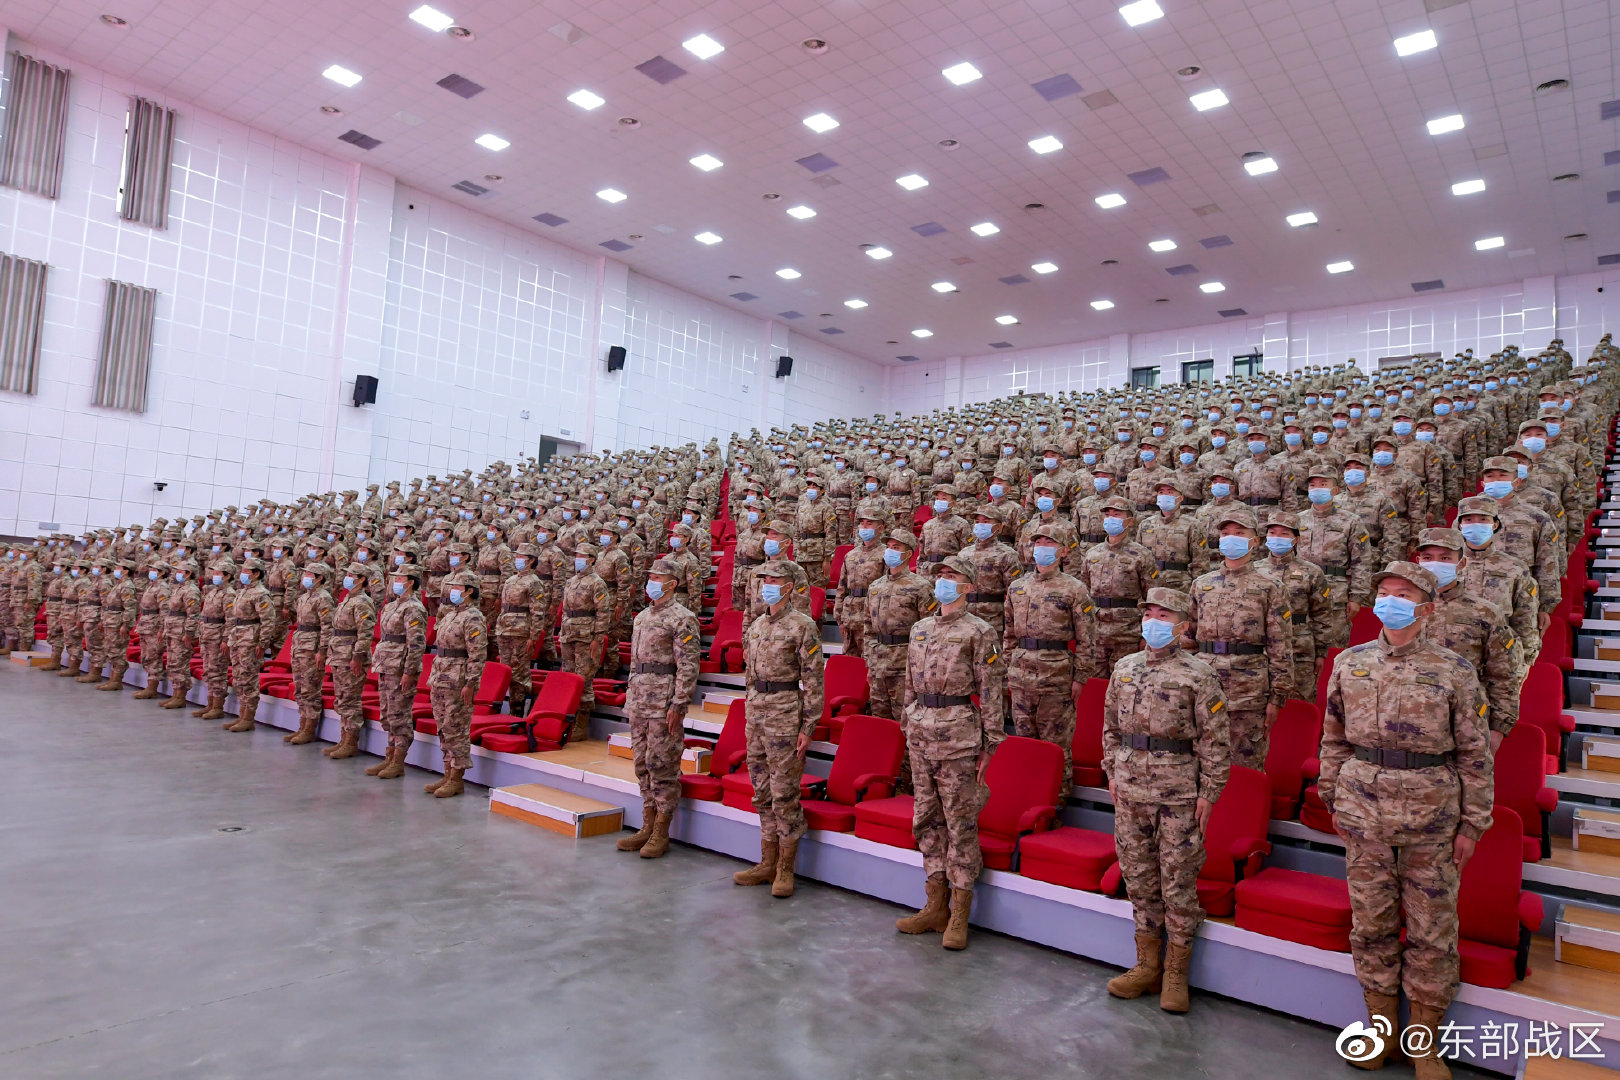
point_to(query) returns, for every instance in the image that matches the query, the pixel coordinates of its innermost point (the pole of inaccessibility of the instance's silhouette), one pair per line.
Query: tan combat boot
(177, 700)
(146, 693)
(452, 785)
(956, 929)
(782, 887)
(304, 734)
(1384, 1005)
(658, 845)
(347, 747)
(433, 785)
(638, 839)
(763, 871)
(1428, 1066)
(111, 685)
(1147, 977)
(387, 760)
(55, 664)
(244, 722)
(935, 913)
(68, 672)
(89, 677)
(1173, 997)
(396, 765)
(216, 708)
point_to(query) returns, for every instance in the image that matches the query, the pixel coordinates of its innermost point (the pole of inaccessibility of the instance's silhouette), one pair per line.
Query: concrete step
(1588, 937)
(1600, 753)
(561, 812)
(1595, 830)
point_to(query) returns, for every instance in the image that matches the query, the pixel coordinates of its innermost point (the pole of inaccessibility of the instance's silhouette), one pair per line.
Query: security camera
(160, 484)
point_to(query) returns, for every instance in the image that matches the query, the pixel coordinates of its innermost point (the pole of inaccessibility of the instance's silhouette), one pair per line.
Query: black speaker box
(616, 355)
(784, 366)
(365, 390)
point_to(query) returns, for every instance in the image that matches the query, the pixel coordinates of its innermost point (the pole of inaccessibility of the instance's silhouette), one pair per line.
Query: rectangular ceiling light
(1044, 267)
(707, 238)
(1111, 200)
(1101, 305)
(1260, 166)
(1422, 41)
(820, 122)
(587, 100)
(612, 195)
(490, 141)
(1209, 99)
(1489, 243)
(962, 74)
(341, 75)
(911, 181)
(787, 273)
(1340, 267)
(432, 18)
(1161, 245)
(855, 304)
(1468, 187)
(1007, 320)
(801, 212)
(942, 286)
(1454, 122)
(878, 253)
(984, 228)
(1046, 144)
(1142, 11)
(1305, 217)
(707, 162)
(1212, 287)
(922, 332)
(703, 46)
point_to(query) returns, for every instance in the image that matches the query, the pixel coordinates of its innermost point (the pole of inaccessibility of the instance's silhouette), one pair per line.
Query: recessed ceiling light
(1212, 286)
(1043, 267)
(331, 110)
(984, 228)
(963, 73)
(1111, 200)
(1488, 243)
(707, 238)
(801, 212)
(1340, 267)
(341, 75)
(942, 286)
(490, 141)
(1260, 166)
(1209, 99)
(1454, 122)
(703, 46)
(820, 122)
(922, 332)
(1142, 11)
(707, 162)
(1468, 187)
(608, 194)
(1046, 144)
(787, 273)
(1161, 245)
(1303, 218)
(432, 18)
(586, 100)
(1006, 320)
(114, 20)
(856, 304)
(1102, 305)
(1422, 41)
(911, 181)
(878, 253)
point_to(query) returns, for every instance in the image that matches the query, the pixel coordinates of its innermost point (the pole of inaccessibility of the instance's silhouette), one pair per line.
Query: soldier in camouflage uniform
(118, 613)
(182, 605)
(1336, 540)
(1167, 754)
(521, 618)
(815, 521)
(950, 657)
(1525, 533)
(1309, 599)
(1048, 611)
(353, 622)
(587, 616)
(397, 660)
(1491, 574)
(894, 603)
(786, 684)
(56, 618)
(664, 647)
(213, 641)
(1117, 573)
(1406, 773)
(944, 534)
(154, 593)
(862, 566)
(1239, 615)
(252, 616)
(461, 643)
(1170, 534)
(311, 642)
(995, 567)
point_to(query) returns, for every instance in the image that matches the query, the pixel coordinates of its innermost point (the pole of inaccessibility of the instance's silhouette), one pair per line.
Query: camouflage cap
(527, 549)
(1285, 518)
(665, 565)
(1540, 420)
(783, 527)
(1409, 571)
(1479, 504)
(356, 570)
(1500, 463)
(410, 570)
(319, 569)
(1056, 529)
(252, 564)
(903, 536)
(1450, 539)
(187, 565)
(1237, 514)
(1171, 599)
(775, 568)
(589, 551)
(872, 510)
(961, 567)
(946, 489)
(1115, 502)
(997, 514)
(1321, 473)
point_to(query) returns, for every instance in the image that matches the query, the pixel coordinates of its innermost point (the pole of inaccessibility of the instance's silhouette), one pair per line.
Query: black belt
(213, 619)
(1161, 745)
(394, 639)
(307, 627)
(943, 701)
(894, 639)
(1094, 538)
(1399, 759)
(243, 622)
(1335, 571)
(452, 654)
(1230, 648)
(749, 562)
(1142, 508)
(543, 577)
(986, 597)
(1256, 500)
(935, 558)
(579, 613)
(73, 603)
(854, 593)
(346, 633)
(652, 669)
(514, 610)
(812, 536)
(1039, 644)
(775, 687)
(1164, 565)
(1113, 602)
(1298, 616)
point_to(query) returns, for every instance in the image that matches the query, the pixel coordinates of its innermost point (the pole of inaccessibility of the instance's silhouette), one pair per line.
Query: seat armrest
(874, 786)
(738, 757)
(1566, 722)
(1547, 800)
(1311, 768)
(1036, 819)
(1247, 853)
(1531, 911)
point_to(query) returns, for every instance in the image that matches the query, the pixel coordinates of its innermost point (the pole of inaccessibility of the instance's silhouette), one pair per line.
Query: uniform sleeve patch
(1482, 711)
(814, 649)
(1217, 707)
(1360, 672)
(992, 658)
(1124, 678)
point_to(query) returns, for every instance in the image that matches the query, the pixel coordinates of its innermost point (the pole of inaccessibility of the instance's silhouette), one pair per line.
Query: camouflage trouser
(775, 768)
(1160, 853)
(346, 689)
(658, 759)
(1049, 716)
(216, 658)
(1251, 737)
(513, 650)
(739, 586)
(579, 657)
(1421, 879)
(177, 646)
(22, 620)
(1304, 672)
(115, 642)
(247, 657)
(307, 678)
(816, 572)
(76, 634)
(394, 708)
(1114, 641)
(151, 631)
(886, 694)
(56, 629)
(454, 717)
(945, 817)
(854, 634)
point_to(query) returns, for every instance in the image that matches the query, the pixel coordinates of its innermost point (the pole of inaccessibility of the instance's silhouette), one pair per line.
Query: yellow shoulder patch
(1217, 707)
(814, 649)
(992, 658)
(1086, 610)
(1483, 709)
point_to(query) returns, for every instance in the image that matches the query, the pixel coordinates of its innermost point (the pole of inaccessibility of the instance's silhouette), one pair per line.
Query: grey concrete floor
(359, 928)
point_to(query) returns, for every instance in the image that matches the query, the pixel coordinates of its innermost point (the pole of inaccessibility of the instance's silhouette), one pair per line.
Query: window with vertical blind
(125, 362)
(143, 189)
(22, 303)
(35, 129)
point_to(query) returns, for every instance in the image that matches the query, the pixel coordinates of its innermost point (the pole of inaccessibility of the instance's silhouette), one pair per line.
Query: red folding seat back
(818, 602)
(867, 764)
(728, 753)
(1295, 738)
(1555, 647)
(1364, 627)
(846, 686)
(1026, 782)
(1322, 680)
(493, 685)
(1236, 838)
(1521, 786)
(1495, 915)
(1541, 705)
(836, 567)
(1087, 748)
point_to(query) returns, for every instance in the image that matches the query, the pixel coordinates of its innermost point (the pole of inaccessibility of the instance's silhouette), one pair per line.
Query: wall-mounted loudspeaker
(616, 355)
(365, 390)
(784, 366)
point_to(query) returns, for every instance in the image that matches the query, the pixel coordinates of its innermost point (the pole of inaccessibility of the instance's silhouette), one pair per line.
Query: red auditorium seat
(1496, 916)
(610, 691)
(1087, 748)
(1027, 789)
(867, 764)
(547, 725)
(727, 754)
(846, 692)
(1295, 906)
(1555, 647)
(1541, 705)
(1068, 856)
(887, 821)
(726, 650)
(836, 567)
(493, 685)
(1364, 627)
(818, 603)
(922, 516)
(1322, 680)
(1296, 737)
(1521, 786)
(736, 787)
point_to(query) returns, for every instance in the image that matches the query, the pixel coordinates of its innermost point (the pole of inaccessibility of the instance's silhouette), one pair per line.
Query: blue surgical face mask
(1186, 457)
(244, 577)
(866, 535)
(1148, 456)
(1340, 425)
(655, 589)
(1113, 526)
(772, 594)
(946, 591)
(1477, 533)
(1186, 424)
(753, 517)
(1279, 545)
(455, 596)
(1217, 441)
(1102, 483)
(1219, 490)
(1383, 457)
(1498, 489)
(1234, 547)
(1535, 444)
(941, 506)
(1165, 503)
(1158, 633)
(1553, 429)
(1292, 438)
(871, 485)
(219, 579)
(1045, 554)
(1044, 503)
(1123, 436)
(812, 494)
(1395, 612)
(1319, 496)
(1444, 572)
(1257, 446)
(893, 558)
(997, 490)
(773, 548)
(1402, 427)
(1089, 459)
(983, 530)
(398, 588)
(1425, 436)
(580, 564)
(1443, 409)
(1375, 411)
(1524, 471)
